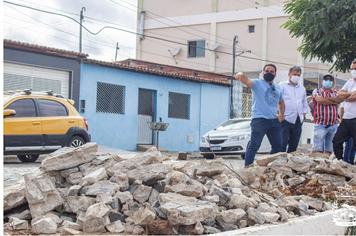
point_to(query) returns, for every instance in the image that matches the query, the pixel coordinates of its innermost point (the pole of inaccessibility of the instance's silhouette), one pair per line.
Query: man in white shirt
(347, 127)
(295, 99)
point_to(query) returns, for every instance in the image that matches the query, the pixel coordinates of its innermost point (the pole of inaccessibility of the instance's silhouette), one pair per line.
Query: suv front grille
(216, 141)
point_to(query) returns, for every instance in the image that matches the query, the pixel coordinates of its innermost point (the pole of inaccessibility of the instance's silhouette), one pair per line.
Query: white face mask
(353, 74)
(295, 79)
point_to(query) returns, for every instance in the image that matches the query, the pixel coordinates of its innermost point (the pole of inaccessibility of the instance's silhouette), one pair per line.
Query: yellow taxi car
(38, 123)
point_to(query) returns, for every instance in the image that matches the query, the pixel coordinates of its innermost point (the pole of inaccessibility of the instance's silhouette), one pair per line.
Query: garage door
(20, 77)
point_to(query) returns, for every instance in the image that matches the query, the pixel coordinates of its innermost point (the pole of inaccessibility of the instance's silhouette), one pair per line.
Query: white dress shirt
(350, 107)
(295, 99)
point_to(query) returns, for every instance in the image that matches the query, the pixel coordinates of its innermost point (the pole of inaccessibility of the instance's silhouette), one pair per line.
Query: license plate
(215, 148)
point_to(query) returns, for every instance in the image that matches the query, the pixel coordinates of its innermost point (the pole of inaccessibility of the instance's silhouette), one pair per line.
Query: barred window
(179, 106)
(110, 98)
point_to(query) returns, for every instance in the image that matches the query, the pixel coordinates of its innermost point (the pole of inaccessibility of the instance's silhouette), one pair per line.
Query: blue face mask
(327, 84)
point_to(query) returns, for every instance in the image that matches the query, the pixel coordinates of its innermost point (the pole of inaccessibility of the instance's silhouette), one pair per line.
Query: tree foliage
(328, 29)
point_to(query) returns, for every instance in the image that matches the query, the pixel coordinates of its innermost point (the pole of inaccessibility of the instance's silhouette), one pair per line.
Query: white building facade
(198, 34)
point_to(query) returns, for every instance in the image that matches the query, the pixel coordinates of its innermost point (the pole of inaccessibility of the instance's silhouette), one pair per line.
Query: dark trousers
(291, 135)
(346, 130)
(259, 128)
(349, 153)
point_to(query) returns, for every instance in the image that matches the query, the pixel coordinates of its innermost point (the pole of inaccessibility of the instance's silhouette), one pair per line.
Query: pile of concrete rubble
(81, 191)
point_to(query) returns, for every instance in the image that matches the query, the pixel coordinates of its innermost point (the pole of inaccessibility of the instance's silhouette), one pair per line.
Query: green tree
(328, 28)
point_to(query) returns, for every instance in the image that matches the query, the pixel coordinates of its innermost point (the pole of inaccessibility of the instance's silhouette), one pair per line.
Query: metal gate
(146, 114)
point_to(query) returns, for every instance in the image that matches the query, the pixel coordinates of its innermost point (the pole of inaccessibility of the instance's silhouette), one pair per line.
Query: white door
(20, 77)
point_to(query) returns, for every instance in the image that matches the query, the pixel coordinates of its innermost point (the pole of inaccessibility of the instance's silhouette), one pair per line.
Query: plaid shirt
(324, 114)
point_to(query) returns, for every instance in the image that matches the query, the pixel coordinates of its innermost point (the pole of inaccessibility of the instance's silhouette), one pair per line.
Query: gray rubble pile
(81, 191)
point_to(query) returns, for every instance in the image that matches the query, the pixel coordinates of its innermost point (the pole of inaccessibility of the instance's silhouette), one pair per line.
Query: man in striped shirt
(325, 101)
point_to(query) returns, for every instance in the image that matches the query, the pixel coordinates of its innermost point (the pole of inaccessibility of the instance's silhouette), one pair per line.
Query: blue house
(120, 99)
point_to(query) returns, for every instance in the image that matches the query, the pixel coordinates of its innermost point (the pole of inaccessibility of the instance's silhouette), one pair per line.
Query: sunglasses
(330, 79)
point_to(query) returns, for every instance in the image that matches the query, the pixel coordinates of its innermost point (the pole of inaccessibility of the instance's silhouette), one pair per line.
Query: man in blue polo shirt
(266, 119)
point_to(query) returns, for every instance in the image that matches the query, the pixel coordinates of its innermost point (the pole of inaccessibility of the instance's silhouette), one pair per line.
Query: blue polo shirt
(265, 99)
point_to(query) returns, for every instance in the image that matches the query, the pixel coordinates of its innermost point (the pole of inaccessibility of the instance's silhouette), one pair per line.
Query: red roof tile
(42, 49)
(166, 70)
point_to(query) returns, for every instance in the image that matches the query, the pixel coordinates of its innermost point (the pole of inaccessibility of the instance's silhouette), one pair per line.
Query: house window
(110, 98)
(251, 28)
(179, 106)
(196, 48)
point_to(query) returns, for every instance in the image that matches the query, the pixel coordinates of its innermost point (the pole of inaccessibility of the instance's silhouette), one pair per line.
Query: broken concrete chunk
(74, 190)
(124, 196)
(44, 225)
(264, 160)
(210, 168)
(95, 176)
(255, 216)
(71, 225)
(143, 216)
(188, 212)
(148, 174)
(122, 180)
(104, 186)
(97, 210)
(115, 227)
(74, 204)
(270, 217)
(66, 158)
(41, 195)
(94, 225)
(75, 178)
(142, 193)
(14, 196)
(230, 216)
(18, 224)
(242, 202)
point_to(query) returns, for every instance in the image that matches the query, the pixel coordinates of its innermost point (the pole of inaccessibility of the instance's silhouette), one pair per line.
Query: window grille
(179, 106)
(110, 98)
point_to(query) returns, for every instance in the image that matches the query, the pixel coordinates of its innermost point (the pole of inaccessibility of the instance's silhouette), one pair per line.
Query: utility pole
(116, 49)
(81, 28)
(232, 76)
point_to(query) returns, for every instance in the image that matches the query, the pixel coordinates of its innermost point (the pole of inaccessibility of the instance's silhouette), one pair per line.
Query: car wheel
(243, 156)
(76, 141)
(208, 156)
(28, 158)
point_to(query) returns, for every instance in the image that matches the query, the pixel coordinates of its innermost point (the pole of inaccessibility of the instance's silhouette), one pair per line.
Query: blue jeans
(323, 137)
(349, 154)
(291, 135)
(259, 128)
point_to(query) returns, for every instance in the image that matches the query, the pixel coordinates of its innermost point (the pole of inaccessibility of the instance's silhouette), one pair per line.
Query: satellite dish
(215, 46)
(174, 53)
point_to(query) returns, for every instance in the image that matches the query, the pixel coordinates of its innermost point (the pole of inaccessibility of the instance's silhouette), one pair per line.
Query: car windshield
(234, 124)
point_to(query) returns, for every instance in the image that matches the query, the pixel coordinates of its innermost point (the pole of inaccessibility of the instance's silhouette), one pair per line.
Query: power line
(103, 43)
(153, 37)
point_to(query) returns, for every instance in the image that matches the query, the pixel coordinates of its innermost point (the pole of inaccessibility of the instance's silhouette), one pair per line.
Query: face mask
(353, 74)
(295, 79)
(268, 77)
(327, 84)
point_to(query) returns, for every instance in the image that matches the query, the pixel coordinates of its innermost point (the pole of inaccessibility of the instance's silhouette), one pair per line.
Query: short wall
(318, 224)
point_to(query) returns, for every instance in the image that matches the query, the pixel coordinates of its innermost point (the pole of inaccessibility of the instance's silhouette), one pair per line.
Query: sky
(25, 25)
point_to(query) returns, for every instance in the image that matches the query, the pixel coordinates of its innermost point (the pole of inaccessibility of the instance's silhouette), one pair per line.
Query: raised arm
(244, 79)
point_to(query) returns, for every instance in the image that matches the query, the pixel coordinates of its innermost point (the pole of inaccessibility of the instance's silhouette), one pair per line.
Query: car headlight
(239, 137)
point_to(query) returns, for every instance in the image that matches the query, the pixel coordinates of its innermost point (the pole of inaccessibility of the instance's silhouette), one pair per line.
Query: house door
(146, 114)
